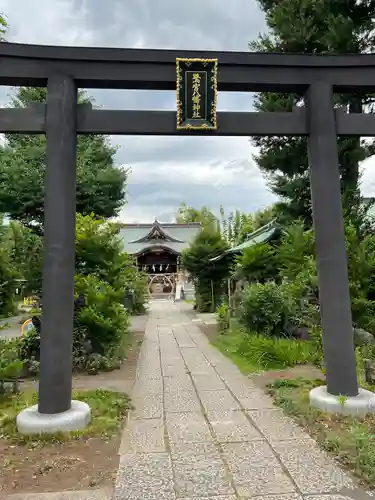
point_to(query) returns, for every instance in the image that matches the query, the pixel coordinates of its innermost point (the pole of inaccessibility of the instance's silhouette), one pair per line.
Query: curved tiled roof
(138, 238)
(261, 235)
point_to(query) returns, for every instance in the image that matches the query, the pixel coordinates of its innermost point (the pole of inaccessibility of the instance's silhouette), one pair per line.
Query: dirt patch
(81, 464)
(307, 372)
(58, 467)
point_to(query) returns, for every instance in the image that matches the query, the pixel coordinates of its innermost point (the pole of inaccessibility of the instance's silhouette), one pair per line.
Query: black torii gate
(63, 69)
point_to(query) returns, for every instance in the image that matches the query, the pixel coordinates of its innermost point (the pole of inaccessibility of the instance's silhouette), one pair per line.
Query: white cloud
(195, 170)
(165, 170)
(368, 177)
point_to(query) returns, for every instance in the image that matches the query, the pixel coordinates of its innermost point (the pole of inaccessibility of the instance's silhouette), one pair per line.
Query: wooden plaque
(196, 94)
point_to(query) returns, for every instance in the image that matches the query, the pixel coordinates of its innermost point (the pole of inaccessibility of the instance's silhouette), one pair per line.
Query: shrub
(84, 359)
(103, 315)
(262, 309)
(257, 263)
(223, 315)
(295, 251)
(8, 283)
(10, 364)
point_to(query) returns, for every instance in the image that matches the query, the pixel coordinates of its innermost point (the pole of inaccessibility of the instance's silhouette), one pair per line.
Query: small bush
(10, 364)
(84, 359)
(262, 309)
(103, 315)
(223, 315)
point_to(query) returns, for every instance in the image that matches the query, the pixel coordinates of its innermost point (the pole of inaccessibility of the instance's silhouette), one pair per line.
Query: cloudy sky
(165, 170)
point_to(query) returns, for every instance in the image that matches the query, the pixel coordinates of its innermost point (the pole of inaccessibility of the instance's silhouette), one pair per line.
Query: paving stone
(143, 436)
(169, 353)
(148, 373)
(312, 470)
(232, 426)
(227, 369)
(214, 357)
(186, 342)
(168, 360)
(241, 386)
(287, 496)
(205, 370)
(181, 401)
(330, 497)
(187, 428)
(172, 370)
(148, 406)
(256, 470)
(91, 494)
(275, 425)
(192, 353)
(211, 383)
(231, 497)
(144, 476)
(178, 384)
(143, 387)
(218, 401)
(255, 400)
(199, 471)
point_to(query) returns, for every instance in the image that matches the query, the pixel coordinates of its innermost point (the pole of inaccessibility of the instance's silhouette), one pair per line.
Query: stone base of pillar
(30, 421)
(356, 406)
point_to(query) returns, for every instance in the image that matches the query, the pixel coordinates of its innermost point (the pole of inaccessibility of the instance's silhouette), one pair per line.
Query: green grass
(108, 409)
(228, 344)
(351, 441)
(254, 353)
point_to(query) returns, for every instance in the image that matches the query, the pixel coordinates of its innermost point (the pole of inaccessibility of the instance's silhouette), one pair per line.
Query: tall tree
(208, 276)
(100, 184)
(237, 226)
(204, 215)
(312, 26)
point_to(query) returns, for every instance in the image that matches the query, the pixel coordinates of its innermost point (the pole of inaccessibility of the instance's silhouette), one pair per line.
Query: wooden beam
(24, 120)
(357, 124)
(92, 67)
(164, 123)
(91, 121)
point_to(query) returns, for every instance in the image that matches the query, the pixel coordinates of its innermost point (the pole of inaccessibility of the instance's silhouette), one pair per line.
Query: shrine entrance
(195, 77)
(157, 249)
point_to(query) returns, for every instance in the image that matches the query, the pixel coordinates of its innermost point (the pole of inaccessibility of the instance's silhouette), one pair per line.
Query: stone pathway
(202, 430)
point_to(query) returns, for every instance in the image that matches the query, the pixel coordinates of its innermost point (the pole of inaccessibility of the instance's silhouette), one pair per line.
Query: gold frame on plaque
(198, 66)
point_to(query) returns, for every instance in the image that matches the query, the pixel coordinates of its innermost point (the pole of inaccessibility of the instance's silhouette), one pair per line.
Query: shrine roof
(262, 235)
(176, 237)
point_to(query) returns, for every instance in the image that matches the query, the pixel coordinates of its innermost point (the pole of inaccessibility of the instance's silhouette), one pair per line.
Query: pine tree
(312, 26)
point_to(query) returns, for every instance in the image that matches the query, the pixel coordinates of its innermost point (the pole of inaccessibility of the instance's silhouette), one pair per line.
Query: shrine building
(157, 248)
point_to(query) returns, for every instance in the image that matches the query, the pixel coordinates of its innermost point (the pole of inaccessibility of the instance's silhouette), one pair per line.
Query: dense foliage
(104, 275)
(204, 216)
(208, 277)
(319, 26)
(100, 184)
